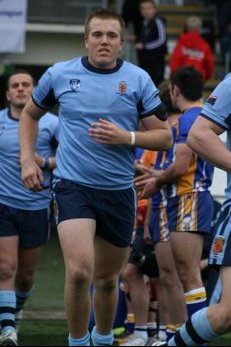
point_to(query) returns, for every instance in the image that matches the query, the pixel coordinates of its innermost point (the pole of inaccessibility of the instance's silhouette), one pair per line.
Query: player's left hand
(107, 133)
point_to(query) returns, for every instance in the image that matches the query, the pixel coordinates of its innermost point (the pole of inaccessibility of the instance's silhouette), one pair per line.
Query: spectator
(192, 50)
(152, 42)
(131, 15)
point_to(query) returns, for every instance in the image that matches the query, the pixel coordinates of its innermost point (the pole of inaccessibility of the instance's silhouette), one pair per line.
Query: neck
(15, 112)
(186, 105)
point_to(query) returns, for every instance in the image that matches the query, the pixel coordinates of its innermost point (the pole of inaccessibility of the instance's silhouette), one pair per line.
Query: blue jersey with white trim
(12, 191)
(85, 94)
(217, 109)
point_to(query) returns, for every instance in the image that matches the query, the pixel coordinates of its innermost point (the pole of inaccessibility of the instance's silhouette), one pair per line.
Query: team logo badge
(122, 87)
(2, 129)
(75, 84)
(218, 245)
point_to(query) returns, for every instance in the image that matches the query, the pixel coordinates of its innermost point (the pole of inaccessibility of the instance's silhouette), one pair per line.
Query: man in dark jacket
(152, 42)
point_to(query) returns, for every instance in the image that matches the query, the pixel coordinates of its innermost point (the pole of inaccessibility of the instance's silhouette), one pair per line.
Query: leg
(109, 261)
(208, 323)
(77, 242)
(8, 268)
(27, 262)
(138, 292)
(170, 281)
(187, 249)
(8, 262)
(220, 315)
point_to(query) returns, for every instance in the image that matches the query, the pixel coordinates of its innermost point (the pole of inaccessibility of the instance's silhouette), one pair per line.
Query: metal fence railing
(62, 11)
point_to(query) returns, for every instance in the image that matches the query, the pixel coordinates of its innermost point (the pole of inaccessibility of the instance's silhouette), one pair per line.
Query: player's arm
(178, 168)
(32, 176)
(204, 140)
(157, 134)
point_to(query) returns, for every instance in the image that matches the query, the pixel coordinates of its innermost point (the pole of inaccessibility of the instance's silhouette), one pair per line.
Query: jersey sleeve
(217, 108)
(43, 94)
(150, 103)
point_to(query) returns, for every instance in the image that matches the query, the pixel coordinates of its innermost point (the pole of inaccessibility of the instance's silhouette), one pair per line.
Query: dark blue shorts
(158, 225)
(32, 227)
(192, 212)
(114, 211)
(220, 253)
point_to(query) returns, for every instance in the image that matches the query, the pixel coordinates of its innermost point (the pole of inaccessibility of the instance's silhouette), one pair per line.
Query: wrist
(132, 138)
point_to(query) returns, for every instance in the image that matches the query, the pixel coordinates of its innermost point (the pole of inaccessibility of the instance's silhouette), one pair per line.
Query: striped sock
(195, 300)
(21, 298)
(101, 340)
(197, 331)
(85, 341)
(7, 310)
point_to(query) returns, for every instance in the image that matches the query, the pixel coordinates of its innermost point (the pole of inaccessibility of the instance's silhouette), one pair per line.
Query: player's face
(19, 90)
(104, 42)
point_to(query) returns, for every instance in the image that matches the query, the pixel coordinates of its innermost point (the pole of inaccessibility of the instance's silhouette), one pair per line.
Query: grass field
(44, 323)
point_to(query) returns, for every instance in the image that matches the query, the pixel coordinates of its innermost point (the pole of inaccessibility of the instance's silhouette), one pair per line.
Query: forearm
(160, 139)
(28, 131)
(169, 176)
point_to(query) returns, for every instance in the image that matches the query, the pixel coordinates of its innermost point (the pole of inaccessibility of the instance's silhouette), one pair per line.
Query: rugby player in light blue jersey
(24, 215)
(101, 100)
(209, 323)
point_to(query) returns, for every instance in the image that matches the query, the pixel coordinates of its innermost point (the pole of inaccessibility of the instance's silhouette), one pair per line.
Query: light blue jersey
(12, 191)
(218, 110)
(84, 94)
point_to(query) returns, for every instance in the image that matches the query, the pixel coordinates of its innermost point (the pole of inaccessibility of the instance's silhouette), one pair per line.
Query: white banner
(13, 14)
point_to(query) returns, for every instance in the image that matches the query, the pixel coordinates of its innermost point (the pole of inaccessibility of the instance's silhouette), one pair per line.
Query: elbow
(193, 140)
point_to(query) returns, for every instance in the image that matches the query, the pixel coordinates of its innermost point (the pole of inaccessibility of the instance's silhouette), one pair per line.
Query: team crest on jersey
(122, 87)
(2, 129)
(75, 84)
(212, 100)
(218, 245)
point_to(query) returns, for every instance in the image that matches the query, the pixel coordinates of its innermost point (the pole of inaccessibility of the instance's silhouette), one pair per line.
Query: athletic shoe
(18, 318)
(9, 338)
(134, 340)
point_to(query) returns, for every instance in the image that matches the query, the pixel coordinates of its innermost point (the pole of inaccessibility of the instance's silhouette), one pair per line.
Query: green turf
(43, 333)
(49, 283)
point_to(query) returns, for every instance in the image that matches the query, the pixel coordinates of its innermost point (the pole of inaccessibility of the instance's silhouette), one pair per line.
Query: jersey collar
(92, 68)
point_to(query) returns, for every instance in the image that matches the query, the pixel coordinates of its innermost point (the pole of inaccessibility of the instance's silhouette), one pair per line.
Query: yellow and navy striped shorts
(191, 212)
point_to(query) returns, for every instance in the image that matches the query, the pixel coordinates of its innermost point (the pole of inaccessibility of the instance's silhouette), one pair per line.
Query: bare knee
(131, 275)
(107, 285)
(7, 271)
(79, 276)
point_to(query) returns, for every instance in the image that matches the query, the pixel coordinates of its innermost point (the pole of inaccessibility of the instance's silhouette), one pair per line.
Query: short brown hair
(104, 14)
(17, 72)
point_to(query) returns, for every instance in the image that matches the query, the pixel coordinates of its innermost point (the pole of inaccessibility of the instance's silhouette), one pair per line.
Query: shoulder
(64, 65)
(134, 70)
